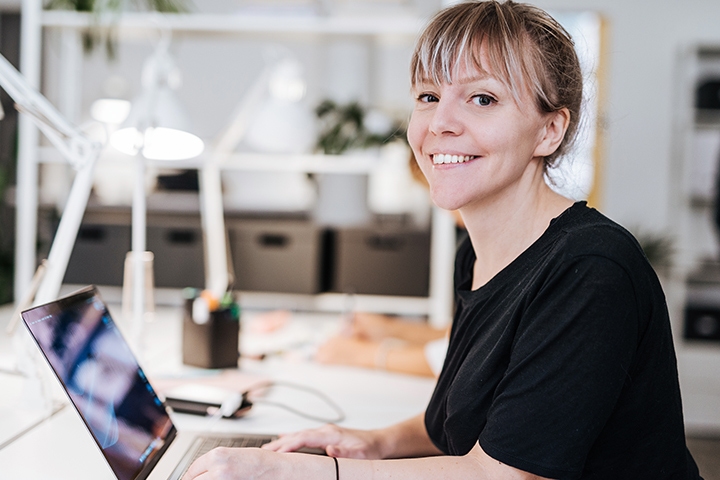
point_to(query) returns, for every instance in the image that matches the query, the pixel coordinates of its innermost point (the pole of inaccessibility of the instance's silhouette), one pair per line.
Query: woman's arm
(262, 464)
(402, 440)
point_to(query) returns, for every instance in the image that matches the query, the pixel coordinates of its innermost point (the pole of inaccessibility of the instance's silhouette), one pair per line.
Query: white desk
(61, 448)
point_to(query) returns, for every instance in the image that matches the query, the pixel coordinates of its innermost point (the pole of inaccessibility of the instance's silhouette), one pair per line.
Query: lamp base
(129, 320)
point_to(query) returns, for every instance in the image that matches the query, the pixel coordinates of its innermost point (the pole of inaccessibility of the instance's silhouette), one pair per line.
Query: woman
(560, 362)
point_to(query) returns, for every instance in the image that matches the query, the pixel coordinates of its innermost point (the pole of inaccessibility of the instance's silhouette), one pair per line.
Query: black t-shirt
(563, 365)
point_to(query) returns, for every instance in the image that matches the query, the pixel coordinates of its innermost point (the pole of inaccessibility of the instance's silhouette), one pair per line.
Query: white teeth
(441, 158)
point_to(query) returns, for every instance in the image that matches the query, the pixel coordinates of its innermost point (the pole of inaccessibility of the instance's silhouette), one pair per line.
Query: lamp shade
(110, 110)
(157, 127)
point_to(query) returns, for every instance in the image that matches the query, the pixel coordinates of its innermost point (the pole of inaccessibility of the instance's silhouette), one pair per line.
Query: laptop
(121, 410)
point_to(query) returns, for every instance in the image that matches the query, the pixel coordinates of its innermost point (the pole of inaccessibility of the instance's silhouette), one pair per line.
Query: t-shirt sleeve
(570, 359)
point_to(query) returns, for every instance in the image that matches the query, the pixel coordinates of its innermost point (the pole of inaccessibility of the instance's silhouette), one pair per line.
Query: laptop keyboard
(208, 443)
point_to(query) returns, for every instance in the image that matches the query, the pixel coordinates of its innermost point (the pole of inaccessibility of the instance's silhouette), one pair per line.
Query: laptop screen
(103, 379)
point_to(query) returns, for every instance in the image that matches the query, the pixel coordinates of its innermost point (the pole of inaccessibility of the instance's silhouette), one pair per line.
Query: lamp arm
(211, 204)
(71, 142)
(81, 152)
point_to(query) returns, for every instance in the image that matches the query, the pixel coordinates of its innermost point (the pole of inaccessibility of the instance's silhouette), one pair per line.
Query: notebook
(120, 408)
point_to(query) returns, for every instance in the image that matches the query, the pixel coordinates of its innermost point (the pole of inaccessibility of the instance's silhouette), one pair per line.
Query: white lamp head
(287, 82)
(113, 107)
(157, 125)
(110, 110)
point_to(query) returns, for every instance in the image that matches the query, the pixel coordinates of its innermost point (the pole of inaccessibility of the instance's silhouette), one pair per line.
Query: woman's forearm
(474, 465)
(406, 439)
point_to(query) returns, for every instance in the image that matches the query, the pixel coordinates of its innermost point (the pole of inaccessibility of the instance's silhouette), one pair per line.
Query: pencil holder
(214, 342)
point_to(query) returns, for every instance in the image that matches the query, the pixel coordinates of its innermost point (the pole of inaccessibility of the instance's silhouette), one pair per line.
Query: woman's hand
(335, 441)
(230, 463)
(256, 464)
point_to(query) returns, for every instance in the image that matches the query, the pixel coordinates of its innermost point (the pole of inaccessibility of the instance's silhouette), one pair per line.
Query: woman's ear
(556, 125)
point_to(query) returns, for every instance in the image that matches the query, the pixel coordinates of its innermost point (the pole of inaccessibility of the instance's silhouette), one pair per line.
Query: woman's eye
(427, 98)
(483, 100)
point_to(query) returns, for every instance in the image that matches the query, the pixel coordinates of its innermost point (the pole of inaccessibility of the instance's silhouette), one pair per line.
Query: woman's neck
(502, 229)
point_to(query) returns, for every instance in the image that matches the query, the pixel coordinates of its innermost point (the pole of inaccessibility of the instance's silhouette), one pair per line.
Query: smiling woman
(560, 360)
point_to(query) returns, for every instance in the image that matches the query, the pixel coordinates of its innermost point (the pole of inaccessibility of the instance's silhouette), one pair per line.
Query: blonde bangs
(447, 42)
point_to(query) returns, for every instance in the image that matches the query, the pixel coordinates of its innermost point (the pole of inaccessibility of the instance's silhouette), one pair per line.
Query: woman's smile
(446, 158)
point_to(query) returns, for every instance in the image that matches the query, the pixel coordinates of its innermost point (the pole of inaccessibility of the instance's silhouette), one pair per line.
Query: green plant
(96, 34)
(344, 127)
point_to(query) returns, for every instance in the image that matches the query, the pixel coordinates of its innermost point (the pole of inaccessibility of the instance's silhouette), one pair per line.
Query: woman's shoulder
(587, 232)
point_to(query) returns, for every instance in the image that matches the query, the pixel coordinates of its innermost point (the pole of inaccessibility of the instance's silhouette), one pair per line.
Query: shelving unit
(696, 280)
(699, 155)
(244, 24)
(35, 21)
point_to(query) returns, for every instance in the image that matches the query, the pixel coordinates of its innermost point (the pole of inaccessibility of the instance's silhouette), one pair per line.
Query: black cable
(266, 385)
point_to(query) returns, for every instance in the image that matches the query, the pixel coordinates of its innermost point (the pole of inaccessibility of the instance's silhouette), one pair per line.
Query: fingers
(230, 463)
(317, 438)
(199, 468)
(333, 440)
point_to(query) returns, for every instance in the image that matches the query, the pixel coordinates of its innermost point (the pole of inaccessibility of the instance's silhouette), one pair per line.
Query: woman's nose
(445, 120)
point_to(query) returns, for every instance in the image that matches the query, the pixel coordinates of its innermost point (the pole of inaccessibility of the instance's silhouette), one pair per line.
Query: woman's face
(473, 142)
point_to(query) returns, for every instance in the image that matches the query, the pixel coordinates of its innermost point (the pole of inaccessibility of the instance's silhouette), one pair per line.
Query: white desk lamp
(156, 129)
(82, 153)
(282, 79)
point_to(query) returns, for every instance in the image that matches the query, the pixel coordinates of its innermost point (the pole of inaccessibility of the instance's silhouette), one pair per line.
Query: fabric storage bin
(177, 244)
(277, 255)
(382, 261)
(98, 256)
(702, 322)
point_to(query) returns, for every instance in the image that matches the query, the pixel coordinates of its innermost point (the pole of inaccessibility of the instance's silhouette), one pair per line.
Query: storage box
(277, 255)
(702, 323)
(98, 256)
(702, 306)
(177, 243)
(382, 261)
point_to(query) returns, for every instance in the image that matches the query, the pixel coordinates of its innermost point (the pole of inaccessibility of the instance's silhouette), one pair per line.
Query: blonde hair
(526, 49)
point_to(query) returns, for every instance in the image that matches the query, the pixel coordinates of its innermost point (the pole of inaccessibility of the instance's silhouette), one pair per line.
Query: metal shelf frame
(438, 306)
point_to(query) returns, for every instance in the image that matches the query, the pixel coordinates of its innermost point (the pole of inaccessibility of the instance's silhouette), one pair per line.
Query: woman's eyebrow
(478, 77)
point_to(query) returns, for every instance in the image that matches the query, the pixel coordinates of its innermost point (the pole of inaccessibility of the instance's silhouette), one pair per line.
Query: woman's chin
(447, 202)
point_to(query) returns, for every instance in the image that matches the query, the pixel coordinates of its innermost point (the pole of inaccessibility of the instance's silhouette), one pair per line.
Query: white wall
(645, 40)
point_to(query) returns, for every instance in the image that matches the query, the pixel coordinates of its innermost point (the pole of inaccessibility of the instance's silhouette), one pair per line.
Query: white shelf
(258, 162)
(242, 23)
(380, 26)
(321, 302)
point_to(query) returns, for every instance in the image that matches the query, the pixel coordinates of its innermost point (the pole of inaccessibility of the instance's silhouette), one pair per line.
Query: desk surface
(61, 448)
